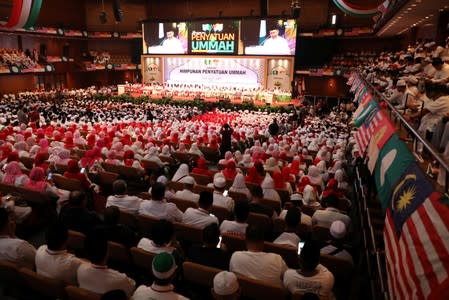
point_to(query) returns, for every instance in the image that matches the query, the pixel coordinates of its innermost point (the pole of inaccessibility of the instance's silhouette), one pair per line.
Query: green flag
(392, 161)
(364, 113)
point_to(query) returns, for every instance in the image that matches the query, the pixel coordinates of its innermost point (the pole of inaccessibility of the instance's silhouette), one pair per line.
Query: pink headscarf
(12, 172)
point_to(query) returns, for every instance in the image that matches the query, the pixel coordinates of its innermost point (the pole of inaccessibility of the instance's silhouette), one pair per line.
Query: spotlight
(103, 18)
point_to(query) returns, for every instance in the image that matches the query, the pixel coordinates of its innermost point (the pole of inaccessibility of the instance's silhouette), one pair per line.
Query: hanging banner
(279, 74)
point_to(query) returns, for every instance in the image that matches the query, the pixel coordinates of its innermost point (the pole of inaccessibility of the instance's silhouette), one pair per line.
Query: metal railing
(411, 130)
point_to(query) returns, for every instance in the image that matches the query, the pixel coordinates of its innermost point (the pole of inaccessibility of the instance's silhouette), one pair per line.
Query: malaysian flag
(371, 124)
(416, 238)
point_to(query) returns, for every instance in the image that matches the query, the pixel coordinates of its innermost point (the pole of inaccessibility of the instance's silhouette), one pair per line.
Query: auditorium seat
(68, 184)
(76, 293)
(169, 160)
(221, 213)
(186, 158)
(257, 289)
(274, 205)
(151, 166)
(342, 271)
(320, 233)
(183, 204)
(262, 221)
(199, 188)
(146, 223)
(176, 186)
(58, 168)
(201, 179)
(289, 254)
(141, 258)
(188, 233)
(43, 286)
(211, 155)
(124, 171)
(10, 278)
(129, 219)
(106, 179)
(284, 195)
(198, 274)
(30, 196)
(233, 243)
(308, 210)
(238, 197)
(75, 242)
(118, 254)
(299, 294)
(27, 162)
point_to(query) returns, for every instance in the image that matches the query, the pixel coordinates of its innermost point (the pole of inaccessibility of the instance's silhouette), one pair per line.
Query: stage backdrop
(249, 71)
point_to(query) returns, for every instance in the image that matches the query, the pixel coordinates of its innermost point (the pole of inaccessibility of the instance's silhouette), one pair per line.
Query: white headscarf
(182, 172)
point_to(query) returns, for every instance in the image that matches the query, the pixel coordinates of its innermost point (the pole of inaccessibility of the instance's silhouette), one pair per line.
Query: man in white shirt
(121, 199)
(312, 276)
(289, 236)
(164, 270)
(52, 259)
(326, 217)
(172, 44)
(201, 217)
(237, 227)
(186, 193)
(276, 44)
(336, 247)
(96, 276)
(158, 207)
(441, 75)
(13, 249)
(256, 264)
(219, 198)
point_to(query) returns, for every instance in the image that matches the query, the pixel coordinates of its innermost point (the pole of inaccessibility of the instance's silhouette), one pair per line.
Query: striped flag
(384, 7)
(380, 130)
(416, 238)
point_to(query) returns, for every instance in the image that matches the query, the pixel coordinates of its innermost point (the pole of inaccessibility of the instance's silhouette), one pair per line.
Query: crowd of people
(205, 91)
(16, 57)
(416, 82)
(301, 166)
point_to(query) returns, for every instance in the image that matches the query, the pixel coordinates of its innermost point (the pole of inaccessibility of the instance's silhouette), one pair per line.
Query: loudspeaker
(296, 11)
(43, 50)
(263, 8)
(118, 12)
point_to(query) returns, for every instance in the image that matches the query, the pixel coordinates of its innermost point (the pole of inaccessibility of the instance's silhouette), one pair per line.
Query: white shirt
(441, 75)
(187, 195)
(223, 201)
(128, 203)
(343, 254)
(279, 45)
(149, 246)
(161, 209)
(99, 279)
(173, 46)
(233, 227)
(288, 239)
(437, 110)
(57, 264)
(321, 283)
(17, 251)
(268, 267)
(325, 218)
(156, 292)
(305, 219)
(198, 217)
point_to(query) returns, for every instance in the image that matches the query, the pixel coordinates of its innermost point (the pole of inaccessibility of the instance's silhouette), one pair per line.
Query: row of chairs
(22, 280)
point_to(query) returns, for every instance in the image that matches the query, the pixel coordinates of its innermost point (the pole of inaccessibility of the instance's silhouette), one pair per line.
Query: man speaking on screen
(276, 44)
(172, 44)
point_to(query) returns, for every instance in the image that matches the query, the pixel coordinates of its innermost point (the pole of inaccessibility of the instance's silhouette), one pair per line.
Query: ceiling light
(413, 5)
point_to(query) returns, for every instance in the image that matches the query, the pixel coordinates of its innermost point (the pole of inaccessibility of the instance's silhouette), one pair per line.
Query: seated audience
(290, 237)
(201, 168)
(256, 264)
(209, 253)
(181, 174)
(256, 206)
(121, 199)
(226, 286)
(201, 217)
(336, 247)
(311, 276)
(52, 259)
(115, 232)
(13, 249)
(239, 186)
(164, 271)
(219, 198)
(74, 172)
(158, 207)
(96, 276)
(326, 217)
(13, 174)
(187, 193)
(162, 239)
(76, 216)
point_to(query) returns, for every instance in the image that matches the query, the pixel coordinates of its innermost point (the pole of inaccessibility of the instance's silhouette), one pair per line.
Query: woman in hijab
(309, 196)
(40, 161)
(73, 171)
(230, 171)
(227, 157)
(111, 158)
(38, 183)
(129, 161)
(63, 157)
(13, 174)
(340, 177)
(253, 176)
(201, 168)
(152, 156)
(268, 189)
(195, 150)
(315, 177)
(246, 161)
(239, 186)
(181, 173)
(165, 151)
